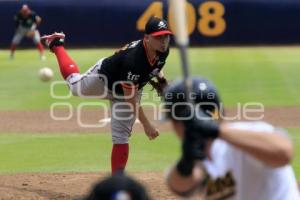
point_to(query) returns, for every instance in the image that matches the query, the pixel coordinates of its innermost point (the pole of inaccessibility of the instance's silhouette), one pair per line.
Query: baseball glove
(30, 34)
(159, 85)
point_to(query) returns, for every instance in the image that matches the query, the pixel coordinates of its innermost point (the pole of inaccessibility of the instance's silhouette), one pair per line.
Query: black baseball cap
(157, 26)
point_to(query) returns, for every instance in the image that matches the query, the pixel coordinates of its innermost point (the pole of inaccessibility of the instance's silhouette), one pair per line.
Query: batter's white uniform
(237, 175)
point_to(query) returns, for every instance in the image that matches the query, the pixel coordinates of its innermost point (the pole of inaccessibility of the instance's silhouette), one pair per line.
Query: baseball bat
(178, 8)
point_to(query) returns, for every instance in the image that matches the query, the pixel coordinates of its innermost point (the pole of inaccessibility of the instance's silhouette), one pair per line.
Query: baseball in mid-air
(46, 74)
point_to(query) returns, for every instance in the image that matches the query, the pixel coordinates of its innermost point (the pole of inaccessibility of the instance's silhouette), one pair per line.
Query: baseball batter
(26, 22)
(227, 160)
(120, 78)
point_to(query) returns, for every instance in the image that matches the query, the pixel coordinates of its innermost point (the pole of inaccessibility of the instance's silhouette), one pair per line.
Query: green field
(267, 75)
(91, 153)
(81, 152)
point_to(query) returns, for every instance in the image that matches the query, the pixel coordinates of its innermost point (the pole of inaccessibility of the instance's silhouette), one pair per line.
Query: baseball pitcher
(120, 78)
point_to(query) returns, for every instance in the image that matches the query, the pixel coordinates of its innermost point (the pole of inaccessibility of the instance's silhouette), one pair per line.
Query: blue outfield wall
(97, 23)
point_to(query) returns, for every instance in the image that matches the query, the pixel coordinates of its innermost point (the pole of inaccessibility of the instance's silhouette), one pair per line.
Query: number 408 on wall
(210, 24)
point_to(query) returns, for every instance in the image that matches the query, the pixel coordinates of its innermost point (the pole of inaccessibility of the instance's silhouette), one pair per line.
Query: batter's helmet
(118, 187)
(203, 95)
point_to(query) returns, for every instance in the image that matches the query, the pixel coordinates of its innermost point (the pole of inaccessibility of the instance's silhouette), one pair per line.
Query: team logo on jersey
(221, 187)
(132, 77)
(162, 25)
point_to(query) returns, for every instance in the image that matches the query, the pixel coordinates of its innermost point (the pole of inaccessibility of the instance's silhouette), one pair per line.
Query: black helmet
(118, 186)
(203, 95)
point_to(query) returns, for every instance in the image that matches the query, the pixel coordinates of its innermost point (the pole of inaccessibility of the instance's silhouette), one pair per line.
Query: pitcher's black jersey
(131, 66)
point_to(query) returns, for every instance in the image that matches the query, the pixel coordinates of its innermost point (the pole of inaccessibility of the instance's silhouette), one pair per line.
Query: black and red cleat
(55, 39)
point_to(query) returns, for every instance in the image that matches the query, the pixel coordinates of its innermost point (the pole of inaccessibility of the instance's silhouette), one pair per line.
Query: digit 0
(212, 23)
(191, 18)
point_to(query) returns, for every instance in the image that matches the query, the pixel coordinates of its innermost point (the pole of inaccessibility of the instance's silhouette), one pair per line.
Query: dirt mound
(88, 121)
(42, 122)
(70, 185)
